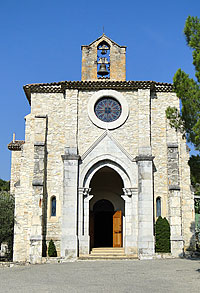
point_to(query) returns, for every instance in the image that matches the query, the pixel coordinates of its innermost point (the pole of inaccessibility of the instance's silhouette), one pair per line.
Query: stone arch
(97, 164)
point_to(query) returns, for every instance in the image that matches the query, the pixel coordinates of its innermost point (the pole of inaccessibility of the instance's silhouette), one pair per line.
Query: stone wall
(117, 60)
(126, 135)
(23, 197)
(68, 126)
(15, 170)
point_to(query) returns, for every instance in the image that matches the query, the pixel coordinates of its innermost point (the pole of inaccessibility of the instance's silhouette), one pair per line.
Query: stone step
(108, 249)
(107, 257)
(107, 252)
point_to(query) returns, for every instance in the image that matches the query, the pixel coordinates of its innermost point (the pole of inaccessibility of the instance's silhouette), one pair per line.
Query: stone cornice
(144, 158)
(60, 87)
(70, 157)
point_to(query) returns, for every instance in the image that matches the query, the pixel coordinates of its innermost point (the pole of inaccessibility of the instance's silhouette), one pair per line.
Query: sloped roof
(16, 145)
(103, 37)
(60, 87)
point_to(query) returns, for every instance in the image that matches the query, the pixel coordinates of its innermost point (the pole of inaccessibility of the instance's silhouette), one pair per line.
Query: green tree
(7, 205)
(188, 90)
(194, 164)
(187, 121)
(4, 185)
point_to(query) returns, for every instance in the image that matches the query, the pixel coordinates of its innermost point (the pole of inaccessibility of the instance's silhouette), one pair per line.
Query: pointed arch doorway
(106, 209)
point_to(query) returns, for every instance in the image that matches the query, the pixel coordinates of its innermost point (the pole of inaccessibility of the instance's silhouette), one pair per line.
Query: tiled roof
(16, 145)
(60, 87)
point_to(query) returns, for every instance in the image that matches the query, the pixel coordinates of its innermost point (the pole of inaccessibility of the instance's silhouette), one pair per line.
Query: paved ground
(104, 276)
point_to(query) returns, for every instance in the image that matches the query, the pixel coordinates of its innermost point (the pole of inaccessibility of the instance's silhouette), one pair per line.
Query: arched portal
(105, 227)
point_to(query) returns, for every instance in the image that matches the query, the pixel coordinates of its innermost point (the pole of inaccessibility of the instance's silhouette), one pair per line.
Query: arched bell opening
(103, 60)
(106, 209)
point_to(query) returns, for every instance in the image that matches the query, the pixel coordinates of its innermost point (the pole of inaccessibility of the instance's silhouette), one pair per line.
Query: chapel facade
(99, 164)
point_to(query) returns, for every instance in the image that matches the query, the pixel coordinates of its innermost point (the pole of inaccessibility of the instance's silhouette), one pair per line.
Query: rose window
(107, 109)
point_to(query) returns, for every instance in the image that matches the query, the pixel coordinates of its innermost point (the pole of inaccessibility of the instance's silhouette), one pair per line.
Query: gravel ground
(166, 275)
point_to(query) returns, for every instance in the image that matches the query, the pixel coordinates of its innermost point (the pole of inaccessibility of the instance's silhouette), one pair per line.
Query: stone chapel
(99, 164)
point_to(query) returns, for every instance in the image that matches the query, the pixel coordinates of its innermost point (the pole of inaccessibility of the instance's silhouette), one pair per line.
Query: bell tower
(103, 59)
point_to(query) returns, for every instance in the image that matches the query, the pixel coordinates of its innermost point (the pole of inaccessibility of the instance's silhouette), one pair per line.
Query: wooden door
(117, 229)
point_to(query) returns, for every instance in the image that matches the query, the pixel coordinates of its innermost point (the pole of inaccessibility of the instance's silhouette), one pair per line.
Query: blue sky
(41, 42)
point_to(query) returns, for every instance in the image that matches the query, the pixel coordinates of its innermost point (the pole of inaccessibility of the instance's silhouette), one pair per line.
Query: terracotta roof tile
(60, 87)
(16, 145)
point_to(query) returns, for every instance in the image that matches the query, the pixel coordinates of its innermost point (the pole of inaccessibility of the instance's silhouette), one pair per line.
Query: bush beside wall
(162, 235)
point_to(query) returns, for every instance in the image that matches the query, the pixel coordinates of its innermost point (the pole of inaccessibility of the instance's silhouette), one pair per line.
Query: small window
(53, 206)
(158, 207)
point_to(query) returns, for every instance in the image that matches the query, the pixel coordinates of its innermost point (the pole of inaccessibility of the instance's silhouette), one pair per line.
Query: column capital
(129, 191)
(144, 158)
(70, 157)
(85, 191)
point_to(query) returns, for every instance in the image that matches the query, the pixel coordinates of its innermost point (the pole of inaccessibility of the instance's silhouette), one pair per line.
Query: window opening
(53, 206)
(103, 60)
(158, 207)
(108, 109)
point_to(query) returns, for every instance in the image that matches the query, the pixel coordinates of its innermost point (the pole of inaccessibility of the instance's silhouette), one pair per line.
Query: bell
(103, 70)
(103, 50)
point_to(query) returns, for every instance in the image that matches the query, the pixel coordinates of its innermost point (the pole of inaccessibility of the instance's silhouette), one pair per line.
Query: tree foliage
(188, 90)
(162, 235)
(194, 164)
(4, 185)
(7, 205)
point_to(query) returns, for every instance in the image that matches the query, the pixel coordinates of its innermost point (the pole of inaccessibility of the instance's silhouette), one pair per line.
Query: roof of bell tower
(103, 37)
(103, 59)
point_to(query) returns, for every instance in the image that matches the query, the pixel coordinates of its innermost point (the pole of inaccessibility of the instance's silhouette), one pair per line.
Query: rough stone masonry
(92, 148)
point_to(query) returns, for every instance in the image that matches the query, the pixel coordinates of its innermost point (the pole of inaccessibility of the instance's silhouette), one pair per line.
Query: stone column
(128, 223)
(69, 245)
(84, 213)
(175, 218)
(38, 219)
(131, 220)
(146, 246)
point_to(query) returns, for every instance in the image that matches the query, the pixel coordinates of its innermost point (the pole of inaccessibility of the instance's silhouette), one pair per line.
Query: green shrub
(52, 249)
(162, 235)
(7, 206)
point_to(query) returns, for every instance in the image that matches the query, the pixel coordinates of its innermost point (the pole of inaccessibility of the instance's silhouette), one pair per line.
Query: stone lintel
(39, 143)
(37, 182)
(174, 187)
(172, 145)
(144, 158)
(70, 157)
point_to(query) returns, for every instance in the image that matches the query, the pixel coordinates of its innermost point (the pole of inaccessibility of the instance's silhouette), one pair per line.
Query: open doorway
(106, 209)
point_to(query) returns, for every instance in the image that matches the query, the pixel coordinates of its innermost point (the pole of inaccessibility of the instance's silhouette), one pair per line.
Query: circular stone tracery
(107, 109)
(111, 94)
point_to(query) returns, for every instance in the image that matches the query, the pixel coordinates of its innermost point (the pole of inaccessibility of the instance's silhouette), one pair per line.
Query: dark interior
(103, 223)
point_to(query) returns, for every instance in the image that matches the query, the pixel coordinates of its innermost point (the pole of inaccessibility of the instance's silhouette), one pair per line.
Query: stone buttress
(80, 131)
